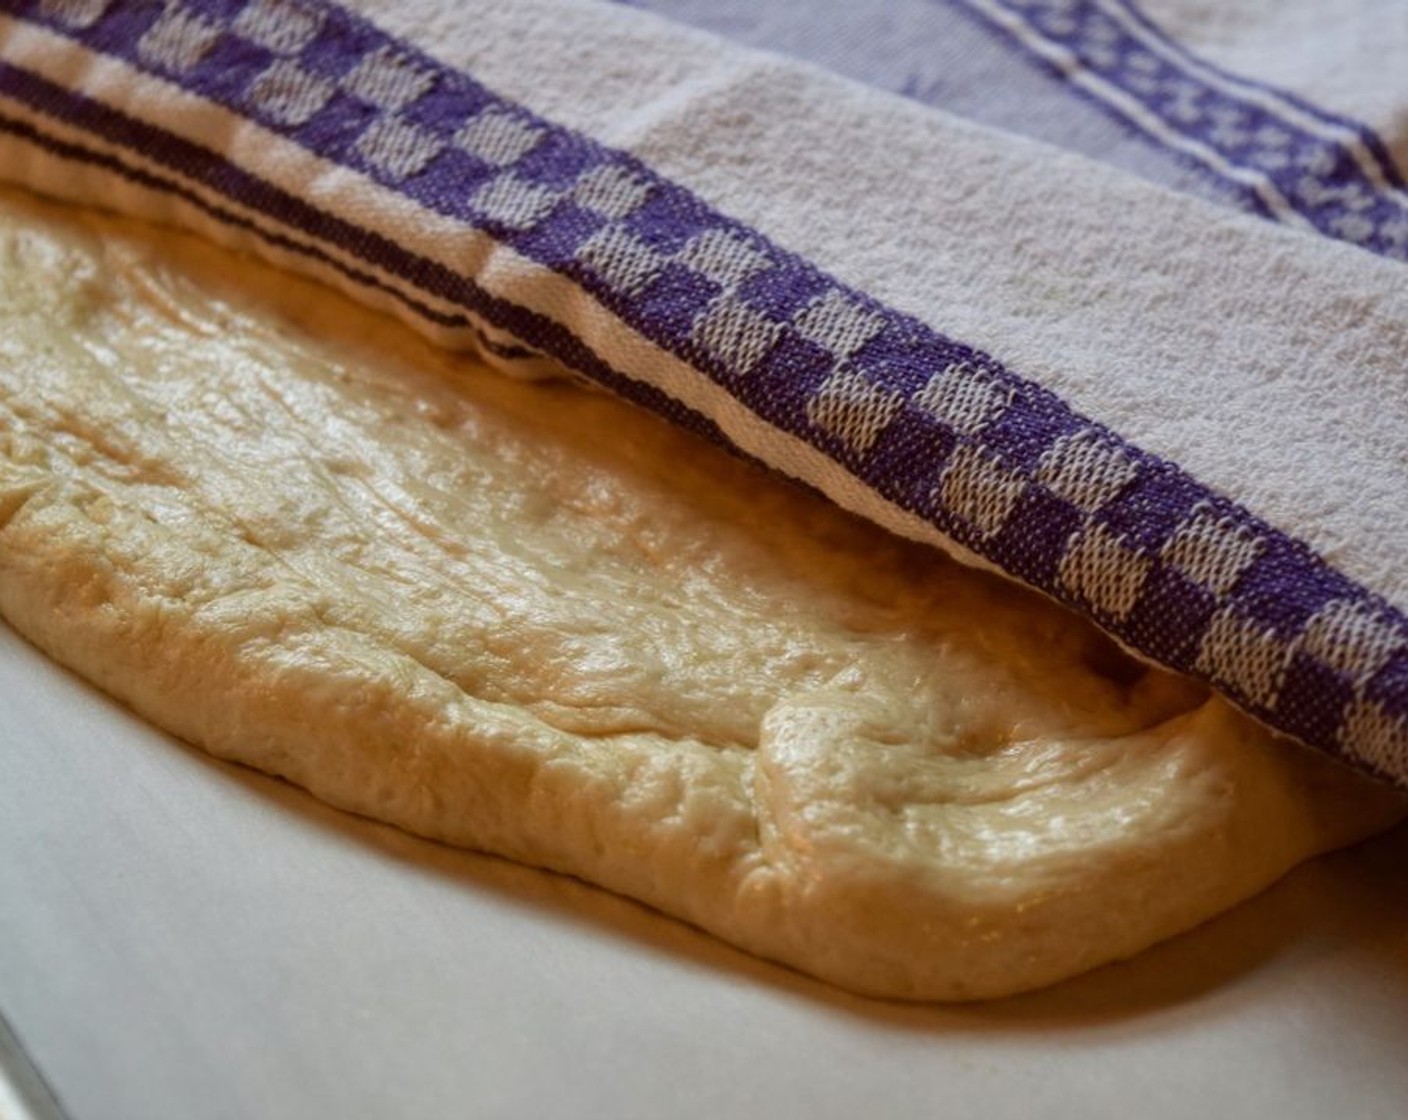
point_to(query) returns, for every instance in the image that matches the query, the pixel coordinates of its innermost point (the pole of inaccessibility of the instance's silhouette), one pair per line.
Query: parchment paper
(183, 938)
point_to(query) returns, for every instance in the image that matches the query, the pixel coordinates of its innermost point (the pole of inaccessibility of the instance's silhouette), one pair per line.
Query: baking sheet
(183, 938)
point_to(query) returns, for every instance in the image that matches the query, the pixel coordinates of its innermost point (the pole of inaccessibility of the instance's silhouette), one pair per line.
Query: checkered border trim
(929, 425)
(1286, 159)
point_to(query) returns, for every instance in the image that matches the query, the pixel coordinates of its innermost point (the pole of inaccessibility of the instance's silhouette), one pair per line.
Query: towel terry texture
(1185, 421)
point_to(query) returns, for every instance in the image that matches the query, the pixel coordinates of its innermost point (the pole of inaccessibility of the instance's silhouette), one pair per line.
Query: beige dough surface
(527, 619)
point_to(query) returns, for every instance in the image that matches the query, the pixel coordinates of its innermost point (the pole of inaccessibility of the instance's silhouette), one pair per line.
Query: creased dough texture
(527, 619)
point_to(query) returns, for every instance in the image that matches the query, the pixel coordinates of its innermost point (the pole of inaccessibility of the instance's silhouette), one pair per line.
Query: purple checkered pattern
(1293, 160)
(928, 424)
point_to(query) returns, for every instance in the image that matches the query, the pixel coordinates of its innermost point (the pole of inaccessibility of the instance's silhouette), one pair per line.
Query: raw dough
(526, 619)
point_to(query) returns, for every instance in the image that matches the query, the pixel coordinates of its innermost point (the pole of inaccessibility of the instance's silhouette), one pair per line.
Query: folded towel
(1186, 422)
(1284, 109)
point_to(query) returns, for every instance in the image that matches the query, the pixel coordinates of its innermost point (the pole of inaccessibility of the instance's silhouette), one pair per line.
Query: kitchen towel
(1293, 110)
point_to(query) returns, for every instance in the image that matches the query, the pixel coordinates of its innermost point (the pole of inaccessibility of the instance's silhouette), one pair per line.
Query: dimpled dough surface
(527, 619)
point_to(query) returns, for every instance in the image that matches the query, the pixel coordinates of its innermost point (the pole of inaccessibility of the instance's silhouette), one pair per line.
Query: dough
(529, 620)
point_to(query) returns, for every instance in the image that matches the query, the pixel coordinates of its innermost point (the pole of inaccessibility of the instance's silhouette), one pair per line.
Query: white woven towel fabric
(1186, 421)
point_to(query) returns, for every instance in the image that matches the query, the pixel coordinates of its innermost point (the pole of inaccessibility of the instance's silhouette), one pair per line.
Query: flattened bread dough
(527, 619)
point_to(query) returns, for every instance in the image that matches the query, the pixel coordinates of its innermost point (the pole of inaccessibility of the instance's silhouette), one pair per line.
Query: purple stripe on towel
(1296, 168)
